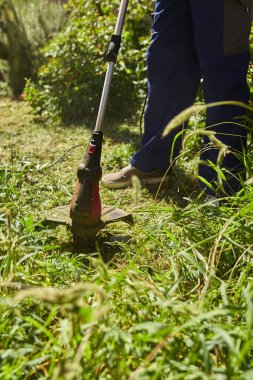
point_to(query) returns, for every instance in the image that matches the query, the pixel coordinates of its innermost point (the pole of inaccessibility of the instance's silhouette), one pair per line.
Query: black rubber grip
(113, 48)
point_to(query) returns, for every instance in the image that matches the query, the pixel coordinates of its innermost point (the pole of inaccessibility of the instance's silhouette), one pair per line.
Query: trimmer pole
(111, 58)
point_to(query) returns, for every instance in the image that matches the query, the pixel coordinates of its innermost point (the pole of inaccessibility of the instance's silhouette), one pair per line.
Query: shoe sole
(143, 181)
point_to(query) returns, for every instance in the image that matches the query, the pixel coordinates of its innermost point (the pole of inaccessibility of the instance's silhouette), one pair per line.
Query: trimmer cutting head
(85, 216)
(109, 214)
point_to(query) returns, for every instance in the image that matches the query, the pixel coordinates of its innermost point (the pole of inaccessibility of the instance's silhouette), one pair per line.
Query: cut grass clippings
(169, 298)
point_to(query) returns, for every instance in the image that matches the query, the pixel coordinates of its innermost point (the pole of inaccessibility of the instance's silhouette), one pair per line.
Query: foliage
(69, 83)
(174, 301)
(24, 27)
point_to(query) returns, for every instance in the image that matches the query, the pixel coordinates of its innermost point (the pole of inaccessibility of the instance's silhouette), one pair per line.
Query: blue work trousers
(194, 39)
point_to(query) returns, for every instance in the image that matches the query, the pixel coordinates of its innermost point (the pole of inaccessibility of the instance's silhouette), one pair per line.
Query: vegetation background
(169, 298)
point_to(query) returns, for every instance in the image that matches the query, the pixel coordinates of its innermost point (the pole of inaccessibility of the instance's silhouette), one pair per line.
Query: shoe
(123, 178)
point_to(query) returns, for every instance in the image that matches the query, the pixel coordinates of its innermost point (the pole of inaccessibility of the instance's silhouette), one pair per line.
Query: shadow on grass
(178, 188)
(122, 133)
(113, 130)
(105, 247)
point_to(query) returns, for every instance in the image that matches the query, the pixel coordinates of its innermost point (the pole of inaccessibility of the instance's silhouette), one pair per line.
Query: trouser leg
(221, 37)
(173, 80)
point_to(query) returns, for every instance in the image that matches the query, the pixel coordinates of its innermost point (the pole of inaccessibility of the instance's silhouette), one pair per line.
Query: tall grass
(173, 302)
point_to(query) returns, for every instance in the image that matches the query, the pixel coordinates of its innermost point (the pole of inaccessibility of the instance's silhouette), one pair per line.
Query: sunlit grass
(173, 300)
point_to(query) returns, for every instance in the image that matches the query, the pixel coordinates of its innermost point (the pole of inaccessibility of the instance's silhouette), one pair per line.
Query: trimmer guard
(110, 214)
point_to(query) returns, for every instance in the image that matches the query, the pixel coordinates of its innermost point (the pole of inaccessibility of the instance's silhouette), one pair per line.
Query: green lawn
(169, 298)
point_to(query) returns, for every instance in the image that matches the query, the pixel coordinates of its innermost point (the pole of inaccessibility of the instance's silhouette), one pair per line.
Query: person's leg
(222, 30)
(173, 81)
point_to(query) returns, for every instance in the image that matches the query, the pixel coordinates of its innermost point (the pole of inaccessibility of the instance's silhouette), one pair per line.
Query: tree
(18, 51)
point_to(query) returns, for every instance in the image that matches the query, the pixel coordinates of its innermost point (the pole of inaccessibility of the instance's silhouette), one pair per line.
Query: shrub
(70, 80)
(24, 28)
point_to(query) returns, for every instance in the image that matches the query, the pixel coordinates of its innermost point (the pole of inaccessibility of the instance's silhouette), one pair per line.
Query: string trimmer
(86, 216)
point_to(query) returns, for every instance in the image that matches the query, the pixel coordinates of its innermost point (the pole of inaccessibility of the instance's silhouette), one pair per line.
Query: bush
(69, 82)
(25, 25)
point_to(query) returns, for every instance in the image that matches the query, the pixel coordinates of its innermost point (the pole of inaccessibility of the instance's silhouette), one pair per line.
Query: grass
(170, 298)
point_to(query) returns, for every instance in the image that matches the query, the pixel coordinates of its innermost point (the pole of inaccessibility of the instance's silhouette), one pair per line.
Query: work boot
(123, 178)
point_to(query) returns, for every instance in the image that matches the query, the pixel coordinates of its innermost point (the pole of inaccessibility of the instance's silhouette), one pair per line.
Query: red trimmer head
(86, 212)
(85, 208)
(86, 216)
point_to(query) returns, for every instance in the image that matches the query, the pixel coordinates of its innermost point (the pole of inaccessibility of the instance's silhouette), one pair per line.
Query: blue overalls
(194, 39)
